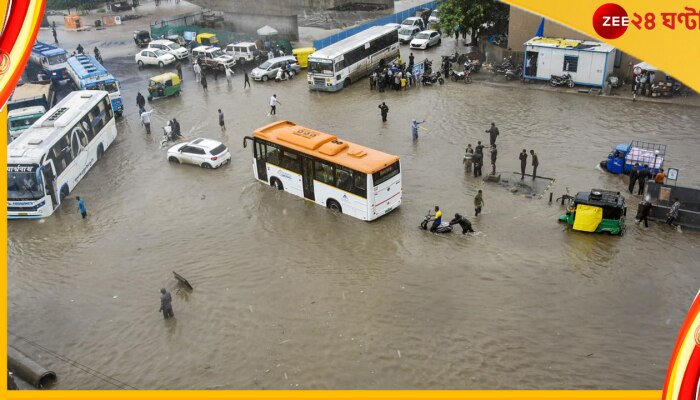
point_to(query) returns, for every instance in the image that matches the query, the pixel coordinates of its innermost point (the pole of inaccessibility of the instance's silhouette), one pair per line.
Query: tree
(474, 15)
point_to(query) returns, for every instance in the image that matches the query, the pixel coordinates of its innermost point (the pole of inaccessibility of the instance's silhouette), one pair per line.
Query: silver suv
(268, 69)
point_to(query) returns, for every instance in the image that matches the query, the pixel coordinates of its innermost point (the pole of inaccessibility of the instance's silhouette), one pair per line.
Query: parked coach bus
(49, 159)
(338, 65)
(88, 74)
(343, 176)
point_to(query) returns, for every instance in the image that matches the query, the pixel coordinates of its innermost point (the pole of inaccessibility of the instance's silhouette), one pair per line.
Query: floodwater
(288, 295)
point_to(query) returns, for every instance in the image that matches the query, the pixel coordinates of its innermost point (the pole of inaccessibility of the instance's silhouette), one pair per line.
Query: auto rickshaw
(163, 85)
(207, 39)
(598, 211)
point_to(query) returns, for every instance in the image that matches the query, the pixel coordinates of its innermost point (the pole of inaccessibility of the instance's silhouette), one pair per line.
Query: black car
(119, 6)
(142, 38)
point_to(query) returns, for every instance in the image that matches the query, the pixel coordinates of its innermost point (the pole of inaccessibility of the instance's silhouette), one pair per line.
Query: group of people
(460, 220)
(641, 174)
(474, 156)
(397, 76)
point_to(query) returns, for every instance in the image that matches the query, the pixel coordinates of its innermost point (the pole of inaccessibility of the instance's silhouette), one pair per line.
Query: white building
(589, 63)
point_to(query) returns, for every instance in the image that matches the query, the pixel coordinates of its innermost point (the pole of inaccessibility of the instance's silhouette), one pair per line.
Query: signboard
(665, 194)
(672, 174)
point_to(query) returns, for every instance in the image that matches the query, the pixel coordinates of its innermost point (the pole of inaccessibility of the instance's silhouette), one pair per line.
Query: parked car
(268, 69)
(154, 57)
(413, 21)
(407, 34)
(142, 38)
(242, 52)
(213, 57)
(169, 47)
(207, 153)
(426, 39)
(120, 6)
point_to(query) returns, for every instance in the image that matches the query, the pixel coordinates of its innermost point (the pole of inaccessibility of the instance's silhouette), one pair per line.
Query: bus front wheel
(334, 205)
(64, 193)
(100, 151)
(346, 82)
(275, 183)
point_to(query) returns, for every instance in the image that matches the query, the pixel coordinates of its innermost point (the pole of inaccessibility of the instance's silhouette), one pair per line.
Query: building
(522, 26)
(588, 62)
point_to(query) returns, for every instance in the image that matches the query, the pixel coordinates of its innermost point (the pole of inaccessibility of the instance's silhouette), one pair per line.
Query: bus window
(339, 65)
(273, 154)
(323, 172)
(360, 183)
(343, 179)
(290, 161)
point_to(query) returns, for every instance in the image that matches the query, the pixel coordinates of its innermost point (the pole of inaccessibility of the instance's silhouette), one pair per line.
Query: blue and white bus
(88, 74)
(51, 60)
(50, 158)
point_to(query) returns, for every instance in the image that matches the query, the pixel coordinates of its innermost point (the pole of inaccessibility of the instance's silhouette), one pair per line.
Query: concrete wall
(523, 27)
(287, 26)
(281, 7)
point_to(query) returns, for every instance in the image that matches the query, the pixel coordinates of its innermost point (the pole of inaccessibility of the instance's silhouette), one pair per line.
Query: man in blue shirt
(414, 128)
(81, 207)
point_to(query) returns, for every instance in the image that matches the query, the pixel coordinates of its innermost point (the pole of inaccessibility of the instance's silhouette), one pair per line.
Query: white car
(206, 153)
(413, 21)
(154, 57)
(425, 39)
(243, 51)
(169, 47)
(407, 34)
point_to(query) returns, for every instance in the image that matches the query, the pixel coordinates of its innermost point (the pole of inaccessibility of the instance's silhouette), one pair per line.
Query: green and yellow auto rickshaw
(597, 211)
(163, 85)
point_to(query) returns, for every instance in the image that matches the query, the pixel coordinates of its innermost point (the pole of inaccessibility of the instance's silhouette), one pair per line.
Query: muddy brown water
(288, 295)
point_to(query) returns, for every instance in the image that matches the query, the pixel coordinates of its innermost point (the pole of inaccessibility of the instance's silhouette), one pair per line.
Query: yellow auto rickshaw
(163, 85)
(302, 55)
(207, 39)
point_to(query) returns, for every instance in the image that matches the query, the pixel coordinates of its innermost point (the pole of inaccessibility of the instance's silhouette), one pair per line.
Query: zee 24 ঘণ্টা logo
(610, 20)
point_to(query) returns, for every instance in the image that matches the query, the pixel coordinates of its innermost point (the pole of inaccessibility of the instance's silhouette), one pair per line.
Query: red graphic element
(610, 21)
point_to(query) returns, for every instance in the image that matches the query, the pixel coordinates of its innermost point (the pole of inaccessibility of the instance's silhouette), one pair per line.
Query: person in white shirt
(229, 75)
(197, 71)
(146, 120)
(273, 104)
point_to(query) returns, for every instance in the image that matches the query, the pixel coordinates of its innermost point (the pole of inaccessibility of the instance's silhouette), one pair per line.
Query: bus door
(260, 162)
(49, 178)
(307, 177)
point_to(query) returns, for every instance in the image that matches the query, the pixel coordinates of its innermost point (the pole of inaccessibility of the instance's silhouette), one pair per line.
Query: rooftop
(570, 44)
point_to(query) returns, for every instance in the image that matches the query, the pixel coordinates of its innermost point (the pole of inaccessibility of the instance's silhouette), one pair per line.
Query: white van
(242, 52)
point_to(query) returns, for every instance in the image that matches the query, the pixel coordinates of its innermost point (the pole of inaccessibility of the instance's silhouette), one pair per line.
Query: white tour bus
(55, 153)
(352, 179)
(338, 65)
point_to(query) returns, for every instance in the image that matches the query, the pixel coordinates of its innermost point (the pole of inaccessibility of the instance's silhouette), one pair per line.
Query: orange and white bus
(343, 176)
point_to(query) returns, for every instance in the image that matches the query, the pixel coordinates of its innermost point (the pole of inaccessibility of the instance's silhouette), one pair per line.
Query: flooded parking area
(288, 295)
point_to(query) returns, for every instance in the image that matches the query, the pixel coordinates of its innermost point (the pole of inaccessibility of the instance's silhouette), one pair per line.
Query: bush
(64, 4)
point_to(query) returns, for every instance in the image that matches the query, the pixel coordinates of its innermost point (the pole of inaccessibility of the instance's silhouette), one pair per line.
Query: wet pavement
(288, 295)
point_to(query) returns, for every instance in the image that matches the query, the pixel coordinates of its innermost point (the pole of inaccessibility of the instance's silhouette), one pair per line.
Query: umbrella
(267, 30)
(646, 67)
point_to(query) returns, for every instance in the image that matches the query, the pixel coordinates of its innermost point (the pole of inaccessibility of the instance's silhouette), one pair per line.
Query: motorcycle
(563, 80)
(472, 65)
(168, 135)
(514, 73)
(465, 76)
(504, 66)
(432, 78)
(444, 227)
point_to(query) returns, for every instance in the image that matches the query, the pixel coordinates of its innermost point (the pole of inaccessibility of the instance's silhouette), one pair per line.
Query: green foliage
(65, 4)
(473, 15)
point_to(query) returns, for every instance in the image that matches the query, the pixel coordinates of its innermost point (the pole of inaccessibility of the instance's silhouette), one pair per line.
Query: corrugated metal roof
(570, 44)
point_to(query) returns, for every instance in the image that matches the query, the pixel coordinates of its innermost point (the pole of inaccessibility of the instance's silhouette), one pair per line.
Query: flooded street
(288, 295)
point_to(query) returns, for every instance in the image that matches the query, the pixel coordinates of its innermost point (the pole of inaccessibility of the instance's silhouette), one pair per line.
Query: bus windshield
(23, 185)
(23, 122)
(324, 67)
(57, 59)
(386, 174)
(111, 87)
